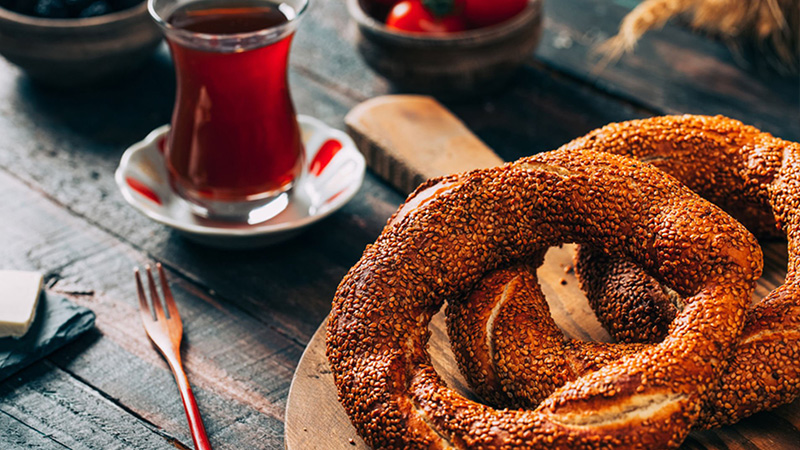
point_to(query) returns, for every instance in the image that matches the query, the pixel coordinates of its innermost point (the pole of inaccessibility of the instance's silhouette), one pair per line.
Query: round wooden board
(316, 421)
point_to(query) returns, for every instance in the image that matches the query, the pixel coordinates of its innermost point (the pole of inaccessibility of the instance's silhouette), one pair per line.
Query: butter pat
(19, 295)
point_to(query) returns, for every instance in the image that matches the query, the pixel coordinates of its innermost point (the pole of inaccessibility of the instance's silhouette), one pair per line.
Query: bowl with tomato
(446, 46)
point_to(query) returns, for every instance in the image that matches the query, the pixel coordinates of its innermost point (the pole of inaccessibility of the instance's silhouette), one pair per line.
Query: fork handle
(190, 405)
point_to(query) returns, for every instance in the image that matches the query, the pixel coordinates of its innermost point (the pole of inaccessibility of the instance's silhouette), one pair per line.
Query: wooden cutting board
(395, 133)
(407, 139)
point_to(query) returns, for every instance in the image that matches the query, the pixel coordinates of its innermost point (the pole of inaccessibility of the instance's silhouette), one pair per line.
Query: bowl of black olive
(70, 43)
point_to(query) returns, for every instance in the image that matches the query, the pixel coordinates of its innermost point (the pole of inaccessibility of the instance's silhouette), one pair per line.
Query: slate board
(57, 322)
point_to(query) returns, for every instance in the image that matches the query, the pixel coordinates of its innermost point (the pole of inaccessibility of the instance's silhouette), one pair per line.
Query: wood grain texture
(67, 413)
(68, 145)
(18, 435)
(252, 312)
(407, 139)
(57, 143)
(239, 367)
(316, 421)
(672, 71)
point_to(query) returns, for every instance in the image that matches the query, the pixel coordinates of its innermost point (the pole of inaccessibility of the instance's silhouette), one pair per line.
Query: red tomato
(411, 15)
(482, 13)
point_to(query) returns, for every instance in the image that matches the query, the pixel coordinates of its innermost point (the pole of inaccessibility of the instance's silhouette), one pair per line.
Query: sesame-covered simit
(455, 229)
(508, 346)
(752, 175)
(755, 177)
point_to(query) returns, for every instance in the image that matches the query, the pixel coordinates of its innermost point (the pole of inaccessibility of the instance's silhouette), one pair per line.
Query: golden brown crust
(493, 218)
(755, 177)
(752, 175)
(504, 337)
(647, 308)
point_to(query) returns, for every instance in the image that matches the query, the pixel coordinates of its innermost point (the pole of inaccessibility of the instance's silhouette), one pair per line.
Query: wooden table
(248, 315)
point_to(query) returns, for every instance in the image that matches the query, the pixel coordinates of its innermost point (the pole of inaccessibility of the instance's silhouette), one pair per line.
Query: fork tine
(166, 336)
(154, 295)
(172, 308)
(144, 306)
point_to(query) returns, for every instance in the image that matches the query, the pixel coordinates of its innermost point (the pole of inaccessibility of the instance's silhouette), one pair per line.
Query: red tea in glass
(235, 142)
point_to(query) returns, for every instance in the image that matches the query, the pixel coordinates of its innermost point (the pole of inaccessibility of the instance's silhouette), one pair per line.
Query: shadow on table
(116, 112)
(72, 352)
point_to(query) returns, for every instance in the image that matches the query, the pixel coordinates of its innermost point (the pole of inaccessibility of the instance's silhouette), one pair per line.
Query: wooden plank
(68, 144)
(16, 435)
(538, 110)
(240, 367)
(407, 139)
(672, 70)
(68, 414)
(76, 169)
(313, 405)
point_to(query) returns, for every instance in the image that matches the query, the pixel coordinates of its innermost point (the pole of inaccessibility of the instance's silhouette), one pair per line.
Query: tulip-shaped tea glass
(235, 144)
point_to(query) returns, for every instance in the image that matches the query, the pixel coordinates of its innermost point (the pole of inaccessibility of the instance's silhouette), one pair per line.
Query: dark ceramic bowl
(469, 61)
(75, 52)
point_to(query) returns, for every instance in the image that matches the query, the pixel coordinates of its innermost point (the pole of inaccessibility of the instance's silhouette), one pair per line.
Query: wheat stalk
(771, 24)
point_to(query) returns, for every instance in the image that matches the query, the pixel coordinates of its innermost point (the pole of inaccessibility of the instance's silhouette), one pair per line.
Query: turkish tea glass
(234, 146)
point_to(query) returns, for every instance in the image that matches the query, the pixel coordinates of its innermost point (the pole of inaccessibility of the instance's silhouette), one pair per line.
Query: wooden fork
(166, 330)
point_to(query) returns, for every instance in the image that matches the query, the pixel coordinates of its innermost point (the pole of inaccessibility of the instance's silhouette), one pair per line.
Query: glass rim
(279, 30)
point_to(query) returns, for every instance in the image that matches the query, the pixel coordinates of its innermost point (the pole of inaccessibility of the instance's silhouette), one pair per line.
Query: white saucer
(324, 188)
